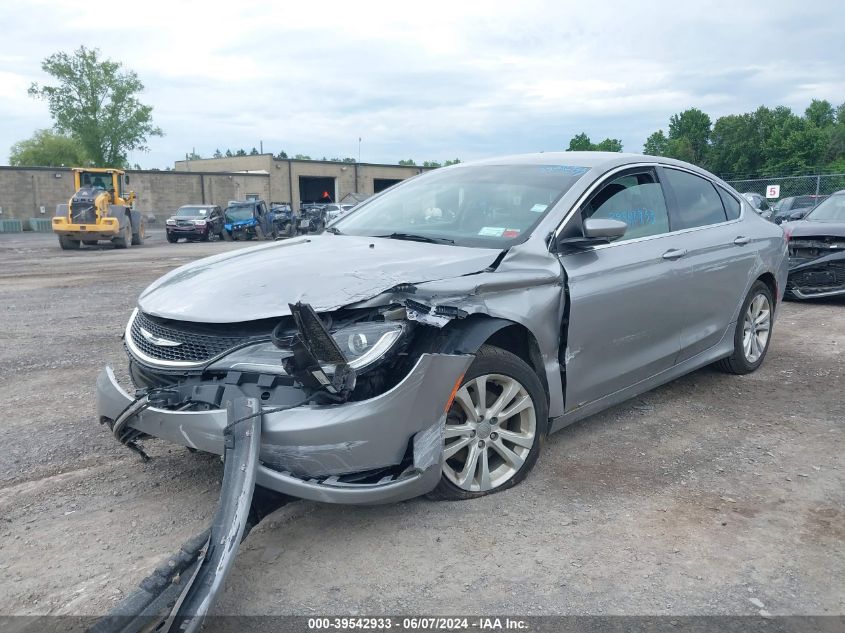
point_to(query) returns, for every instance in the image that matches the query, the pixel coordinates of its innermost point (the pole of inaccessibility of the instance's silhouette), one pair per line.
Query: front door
(624, 319)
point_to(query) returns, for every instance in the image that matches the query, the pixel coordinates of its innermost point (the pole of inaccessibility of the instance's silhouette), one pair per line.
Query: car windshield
(488, 206)
(237, 214)
(831, 210)
(191, 211)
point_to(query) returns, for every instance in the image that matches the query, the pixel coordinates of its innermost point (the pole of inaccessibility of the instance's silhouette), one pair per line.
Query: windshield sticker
(539, 208)
(565, 169)
(492, 231)
(511, 233)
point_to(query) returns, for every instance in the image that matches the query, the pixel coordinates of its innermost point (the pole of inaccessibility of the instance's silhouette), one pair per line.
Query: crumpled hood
(805, 228)
(327, 271)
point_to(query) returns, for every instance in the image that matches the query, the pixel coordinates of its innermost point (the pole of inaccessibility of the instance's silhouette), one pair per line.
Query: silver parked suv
(430, 339)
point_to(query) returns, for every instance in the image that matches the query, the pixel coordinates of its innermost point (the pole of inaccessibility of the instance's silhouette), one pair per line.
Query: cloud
(430, 81)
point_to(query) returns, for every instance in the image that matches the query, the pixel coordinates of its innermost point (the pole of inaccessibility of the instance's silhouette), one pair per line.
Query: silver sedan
(429, 340)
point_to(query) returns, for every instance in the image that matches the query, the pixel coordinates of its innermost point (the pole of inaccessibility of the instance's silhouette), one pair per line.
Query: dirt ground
(714, 494)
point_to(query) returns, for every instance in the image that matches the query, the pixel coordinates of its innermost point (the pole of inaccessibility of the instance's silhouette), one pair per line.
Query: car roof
(601, 161)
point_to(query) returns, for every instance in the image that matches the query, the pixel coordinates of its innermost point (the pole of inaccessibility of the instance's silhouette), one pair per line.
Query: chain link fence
(819, 185)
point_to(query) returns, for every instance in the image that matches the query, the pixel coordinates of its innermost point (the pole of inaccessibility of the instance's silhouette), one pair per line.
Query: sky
(426, 80)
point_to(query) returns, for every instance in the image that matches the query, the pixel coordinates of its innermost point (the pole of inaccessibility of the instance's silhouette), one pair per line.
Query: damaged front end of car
(351, 413)
(816, 266)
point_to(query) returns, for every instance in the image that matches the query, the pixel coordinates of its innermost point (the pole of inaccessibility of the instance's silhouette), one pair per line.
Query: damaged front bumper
(817, 278)
(314, 452)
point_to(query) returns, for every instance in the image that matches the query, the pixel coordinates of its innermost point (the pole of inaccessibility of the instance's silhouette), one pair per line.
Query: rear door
(624, 320)
(719, 257)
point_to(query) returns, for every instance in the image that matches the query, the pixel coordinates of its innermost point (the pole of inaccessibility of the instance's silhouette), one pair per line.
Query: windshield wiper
(334, 230)
(414, 237)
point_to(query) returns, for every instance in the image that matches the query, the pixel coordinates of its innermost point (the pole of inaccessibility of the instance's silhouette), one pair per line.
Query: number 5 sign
(773, 191)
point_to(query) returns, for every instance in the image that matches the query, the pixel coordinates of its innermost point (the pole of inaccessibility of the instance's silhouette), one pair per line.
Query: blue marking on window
(634, 217)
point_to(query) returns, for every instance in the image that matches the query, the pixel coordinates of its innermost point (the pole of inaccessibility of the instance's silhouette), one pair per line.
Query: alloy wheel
(489, 432)
(756, 328)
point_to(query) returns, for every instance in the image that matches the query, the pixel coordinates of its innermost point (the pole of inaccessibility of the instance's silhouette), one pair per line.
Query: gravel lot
(714, 494)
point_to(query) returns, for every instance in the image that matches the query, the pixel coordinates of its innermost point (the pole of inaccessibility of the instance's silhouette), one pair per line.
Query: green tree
(302, 157)
(96, 102)
(281, 156)
(820, 113)
(582, 143)
(431, 163)
(229, 153)
(408, 162)
(253, 152)
(240, 152)
(192, 155)
(452, 162)
(217, 154)
(689, 136)
(736, 145)
(609, 145)
(46, 148)
(657, 144)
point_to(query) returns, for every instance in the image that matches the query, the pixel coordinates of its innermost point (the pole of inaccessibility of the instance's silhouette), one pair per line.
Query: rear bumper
(306, 451)
(105, 229)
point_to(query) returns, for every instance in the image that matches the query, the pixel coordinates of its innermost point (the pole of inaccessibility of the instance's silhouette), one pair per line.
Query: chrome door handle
(742, 240)
(674, 253)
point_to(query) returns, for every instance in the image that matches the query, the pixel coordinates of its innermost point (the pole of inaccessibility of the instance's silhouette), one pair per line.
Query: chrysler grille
(194, 347)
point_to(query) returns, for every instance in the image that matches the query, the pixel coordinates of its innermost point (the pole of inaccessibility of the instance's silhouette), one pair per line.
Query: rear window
(731, 204)
(697, 203)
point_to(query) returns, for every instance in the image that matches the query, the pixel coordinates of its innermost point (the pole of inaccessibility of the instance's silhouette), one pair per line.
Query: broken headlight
(365, 343)
(362, 344)
(264, 358)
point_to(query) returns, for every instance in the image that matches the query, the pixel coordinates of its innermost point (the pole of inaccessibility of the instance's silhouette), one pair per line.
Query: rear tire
(68, 244)
(492, 445)
(138, 236)
(753, 332)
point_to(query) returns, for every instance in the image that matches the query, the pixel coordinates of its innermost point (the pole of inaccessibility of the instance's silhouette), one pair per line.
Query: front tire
(125, 238)
(753, 332)
(68, 244)
(495, 427)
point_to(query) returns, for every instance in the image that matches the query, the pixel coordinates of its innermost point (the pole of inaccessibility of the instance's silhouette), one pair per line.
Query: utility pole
(359, 149)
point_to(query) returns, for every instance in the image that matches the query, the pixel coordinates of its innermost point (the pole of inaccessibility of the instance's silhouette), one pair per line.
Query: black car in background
(817, 251)
(794, 207)
(195, 222)
(759, 204)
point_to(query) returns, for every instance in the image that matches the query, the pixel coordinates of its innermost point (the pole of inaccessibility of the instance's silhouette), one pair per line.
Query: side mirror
(604, 229)
(126, 179)
(594, 231)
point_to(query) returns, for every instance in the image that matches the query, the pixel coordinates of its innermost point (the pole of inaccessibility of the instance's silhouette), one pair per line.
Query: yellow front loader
(99, 210)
